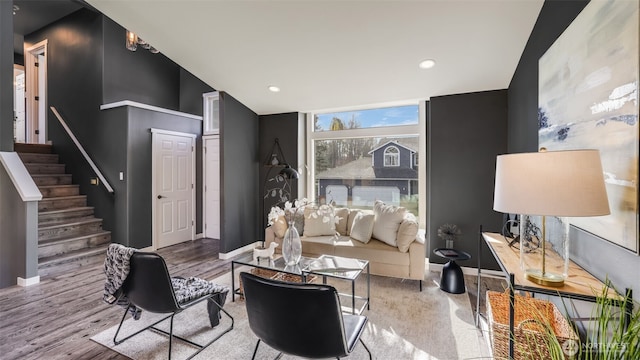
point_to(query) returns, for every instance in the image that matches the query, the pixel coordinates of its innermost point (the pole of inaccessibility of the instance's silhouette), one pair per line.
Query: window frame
(387, 131)
(395, 156)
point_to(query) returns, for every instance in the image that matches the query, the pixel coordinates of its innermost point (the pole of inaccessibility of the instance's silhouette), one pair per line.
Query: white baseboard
(246, 248)
(470, 271)
(199, 236)
(30, 281)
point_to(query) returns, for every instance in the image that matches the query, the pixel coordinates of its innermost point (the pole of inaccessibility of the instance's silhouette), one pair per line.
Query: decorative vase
(449, 243)
(291, 245)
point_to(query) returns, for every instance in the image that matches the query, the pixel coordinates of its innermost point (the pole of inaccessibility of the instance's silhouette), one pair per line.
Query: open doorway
(36, 92)
(19, 104)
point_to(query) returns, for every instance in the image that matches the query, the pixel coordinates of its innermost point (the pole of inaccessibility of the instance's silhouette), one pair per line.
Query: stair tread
(59, 211)
(45, 175)
(64, 197)
(57, 186)
(69, 238)
(68, 222)
(73, 255)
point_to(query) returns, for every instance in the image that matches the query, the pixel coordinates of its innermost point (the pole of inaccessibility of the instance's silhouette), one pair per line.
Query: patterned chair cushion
(193, 288)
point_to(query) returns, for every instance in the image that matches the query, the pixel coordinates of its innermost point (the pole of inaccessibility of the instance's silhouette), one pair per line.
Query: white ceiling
(335, 54)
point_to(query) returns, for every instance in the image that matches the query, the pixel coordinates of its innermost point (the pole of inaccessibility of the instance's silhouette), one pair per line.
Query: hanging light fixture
(131, 41)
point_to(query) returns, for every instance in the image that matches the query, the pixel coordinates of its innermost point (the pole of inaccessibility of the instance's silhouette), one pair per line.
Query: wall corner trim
(22, 181)
(147, 107)
(29, 281)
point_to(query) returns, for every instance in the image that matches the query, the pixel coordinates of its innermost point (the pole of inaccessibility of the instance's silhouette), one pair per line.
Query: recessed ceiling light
(427, 64)
(273, 88)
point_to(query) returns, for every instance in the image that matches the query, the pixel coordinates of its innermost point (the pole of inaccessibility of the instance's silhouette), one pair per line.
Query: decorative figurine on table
(265, 252)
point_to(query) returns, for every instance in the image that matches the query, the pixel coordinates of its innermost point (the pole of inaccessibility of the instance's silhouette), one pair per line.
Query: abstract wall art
(588, 99)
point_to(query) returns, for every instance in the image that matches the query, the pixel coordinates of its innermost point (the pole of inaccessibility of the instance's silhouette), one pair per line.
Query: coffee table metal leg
(233, 285)
(353, 297)
(368, 285)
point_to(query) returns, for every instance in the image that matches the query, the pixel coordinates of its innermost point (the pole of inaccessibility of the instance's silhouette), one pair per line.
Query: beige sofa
(405, 260)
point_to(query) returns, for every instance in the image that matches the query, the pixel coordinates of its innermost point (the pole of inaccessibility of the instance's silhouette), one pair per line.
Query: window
(391, 156)
(355, 157)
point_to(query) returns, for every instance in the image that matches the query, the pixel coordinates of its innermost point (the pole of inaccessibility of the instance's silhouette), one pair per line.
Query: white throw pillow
(343, 217)
(407, 232)
(388, 219)
(317, 225)
(362, 227)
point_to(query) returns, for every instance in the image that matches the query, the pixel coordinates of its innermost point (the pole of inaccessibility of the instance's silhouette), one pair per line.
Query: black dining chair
(300, 319)
(150, 288)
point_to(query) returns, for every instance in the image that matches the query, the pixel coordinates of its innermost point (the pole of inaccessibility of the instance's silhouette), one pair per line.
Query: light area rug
(404, 323)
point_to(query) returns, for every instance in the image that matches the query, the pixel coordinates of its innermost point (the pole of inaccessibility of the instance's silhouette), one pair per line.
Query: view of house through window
(366, 155)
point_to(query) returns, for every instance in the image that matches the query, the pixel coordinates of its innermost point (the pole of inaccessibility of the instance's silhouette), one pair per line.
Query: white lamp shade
(554, 183)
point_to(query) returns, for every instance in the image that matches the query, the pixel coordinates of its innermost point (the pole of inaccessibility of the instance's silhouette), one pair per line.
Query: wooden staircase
(67, 228)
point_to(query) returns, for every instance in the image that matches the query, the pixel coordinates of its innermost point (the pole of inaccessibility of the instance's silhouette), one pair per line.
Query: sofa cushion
(407, 232)
(362, 227)
(343, 217)
(317, 225)
(387, 222)
(375, 251)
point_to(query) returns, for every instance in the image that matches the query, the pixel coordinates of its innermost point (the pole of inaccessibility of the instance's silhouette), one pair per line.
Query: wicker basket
(532, 318)
(272, 274)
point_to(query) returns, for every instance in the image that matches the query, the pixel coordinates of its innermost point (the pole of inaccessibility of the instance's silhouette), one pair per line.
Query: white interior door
(36, 92)
(174, 169)
(212, 187)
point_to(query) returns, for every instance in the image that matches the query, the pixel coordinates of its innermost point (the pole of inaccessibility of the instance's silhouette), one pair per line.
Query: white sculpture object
(265, 252)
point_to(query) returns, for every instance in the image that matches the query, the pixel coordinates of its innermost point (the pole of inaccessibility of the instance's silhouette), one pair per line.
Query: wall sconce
(132, 42)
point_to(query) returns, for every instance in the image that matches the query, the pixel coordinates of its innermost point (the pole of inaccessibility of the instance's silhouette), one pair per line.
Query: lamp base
(546, 279)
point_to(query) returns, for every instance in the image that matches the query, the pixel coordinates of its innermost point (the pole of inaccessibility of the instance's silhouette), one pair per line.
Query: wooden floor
(56, 318)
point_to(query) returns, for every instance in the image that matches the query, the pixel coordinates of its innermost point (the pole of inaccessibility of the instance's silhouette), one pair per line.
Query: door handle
(160, 196)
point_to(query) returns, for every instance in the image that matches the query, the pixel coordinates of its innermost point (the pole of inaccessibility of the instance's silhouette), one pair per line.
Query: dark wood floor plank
(57, 317)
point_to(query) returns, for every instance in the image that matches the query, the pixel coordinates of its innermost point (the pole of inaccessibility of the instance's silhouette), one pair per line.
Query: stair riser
(43, 218)
(60, 191)
(63, 247)
(39, 158)
(45, 168)
(71, 230)
(57, 204)
(33, 148)
(52, 180)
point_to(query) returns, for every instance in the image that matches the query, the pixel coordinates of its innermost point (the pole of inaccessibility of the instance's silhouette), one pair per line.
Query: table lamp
(550, 183)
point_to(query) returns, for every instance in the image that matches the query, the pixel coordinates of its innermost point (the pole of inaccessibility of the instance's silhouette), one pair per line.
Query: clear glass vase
(291, 246)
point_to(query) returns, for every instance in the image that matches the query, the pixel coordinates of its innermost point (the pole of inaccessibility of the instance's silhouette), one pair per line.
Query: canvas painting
(588, 99)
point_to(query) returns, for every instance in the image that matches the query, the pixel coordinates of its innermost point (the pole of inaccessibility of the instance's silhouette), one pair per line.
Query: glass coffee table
(308, 268)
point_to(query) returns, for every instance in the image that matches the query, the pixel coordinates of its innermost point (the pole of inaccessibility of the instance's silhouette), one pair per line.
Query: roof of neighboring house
(357, 169)
(405, 143)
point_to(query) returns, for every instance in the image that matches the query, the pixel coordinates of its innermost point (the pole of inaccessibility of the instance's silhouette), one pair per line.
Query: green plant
(612, 336)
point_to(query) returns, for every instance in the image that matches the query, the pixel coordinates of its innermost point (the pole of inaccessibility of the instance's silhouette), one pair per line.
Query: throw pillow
(298, 221)
(407, 232)
(388, 219)
(280, 227)
(362, 227)
(352, 215)
(343, 218)
(317, 225)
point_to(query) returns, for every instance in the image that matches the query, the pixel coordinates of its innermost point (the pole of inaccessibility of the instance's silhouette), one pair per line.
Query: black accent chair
(148, 287)
(300, 319)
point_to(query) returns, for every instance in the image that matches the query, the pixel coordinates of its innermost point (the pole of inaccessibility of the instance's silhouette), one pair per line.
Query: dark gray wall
(6, 75)
(285, 128)
(141, 76)
(598, 256)
(191, 90)
(239, 200)
(465, 133)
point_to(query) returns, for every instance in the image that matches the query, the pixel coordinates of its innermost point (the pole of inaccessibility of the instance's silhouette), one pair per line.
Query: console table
(579, 285)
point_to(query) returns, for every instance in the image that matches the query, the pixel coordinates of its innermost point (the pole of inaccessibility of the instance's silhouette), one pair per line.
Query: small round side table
(452, 279)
